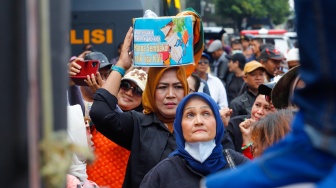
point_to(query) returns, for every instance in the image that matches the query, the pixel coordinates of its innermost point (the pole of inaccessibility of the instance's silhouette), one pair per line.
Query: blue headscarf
(215, 161)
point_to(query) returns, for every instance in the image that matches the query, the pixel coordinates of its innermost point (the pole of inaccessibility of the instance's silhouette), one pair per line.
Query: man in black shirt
(254, 75)
(234, 83)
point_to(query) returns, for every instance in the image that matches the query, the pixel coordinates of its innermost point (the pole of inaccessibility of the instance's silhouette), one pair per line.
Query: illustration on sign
(163, 41)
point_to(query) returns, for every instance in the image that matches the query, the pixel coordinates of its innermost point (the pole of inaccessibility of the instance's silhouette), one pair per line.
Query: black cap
(266, 89)
(269, 52)
(247, 37)
(100, 57)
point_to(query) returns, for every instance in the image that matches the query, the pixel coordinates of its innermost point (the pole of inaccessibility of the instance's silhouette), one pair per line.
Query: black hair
(197, 81)
(259, 40)
(236, 41)
(242, 63)
(241, 60)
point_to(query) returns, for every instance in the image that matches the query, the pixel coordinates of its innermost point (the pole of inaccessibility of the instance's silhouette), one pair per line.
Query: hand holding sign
(125, 59)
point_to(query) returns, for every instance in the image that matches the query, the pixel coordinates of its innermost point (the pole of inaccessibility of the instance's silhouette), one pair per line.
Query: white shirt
(217, 91)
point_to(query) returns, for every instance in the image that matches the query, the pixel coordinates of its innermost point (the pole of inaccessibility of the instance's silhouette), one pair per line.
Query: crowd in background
(167, 127)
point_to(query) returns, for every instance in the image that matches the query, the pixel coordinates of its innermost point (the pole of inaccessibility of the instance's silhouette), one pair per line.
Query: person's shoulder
(240, 118)
(223, 57)
(216, 79)
(167, 163)
(238, 100)
(146, 119)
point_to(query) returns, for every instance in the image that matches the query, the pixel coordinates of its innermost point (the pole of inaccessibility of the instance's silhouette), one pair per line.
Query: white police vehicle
(277, 37)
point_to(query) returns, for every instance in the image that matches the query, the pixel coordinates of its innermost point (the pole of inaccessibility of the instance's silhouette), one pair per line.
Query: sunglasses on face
(127, 86)
(203, 61)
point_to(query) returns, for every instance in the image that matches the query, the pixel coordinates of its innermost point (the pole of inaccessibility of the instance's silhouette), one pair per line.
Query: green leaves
(277, 10)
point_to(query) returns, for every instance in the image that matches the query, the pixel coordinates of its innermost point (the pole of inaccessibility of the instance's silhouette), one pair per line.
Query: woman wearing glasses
(131, 87)
(149, 135)
(111, 157)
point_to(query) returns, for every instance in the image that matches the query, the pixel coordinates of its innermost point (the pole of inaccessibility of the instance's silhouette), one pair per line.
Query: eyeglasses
(268, 98)
(126, 86)
(203, 61)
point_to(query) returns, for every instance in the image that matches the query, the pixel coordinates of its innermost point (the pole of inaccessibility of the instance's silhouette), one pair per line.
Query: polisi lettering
(95, 36)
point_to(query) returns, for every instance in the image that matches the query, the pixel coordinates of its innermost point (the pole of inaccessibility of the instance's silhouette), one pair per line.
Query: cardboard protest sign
(163, 41)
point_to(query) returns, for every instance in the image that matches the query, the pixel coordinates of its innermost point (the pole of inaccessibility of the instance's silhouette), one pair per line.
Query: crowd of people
(169, 127)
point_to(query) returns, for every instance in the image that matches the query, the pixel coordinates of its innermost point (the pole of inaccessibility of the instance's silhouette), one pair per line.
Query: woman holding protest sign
(149, 135)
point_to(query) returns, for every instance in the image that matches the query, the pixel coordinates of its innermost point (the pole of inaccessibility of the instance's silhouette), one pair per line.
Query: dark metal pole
(20, 101)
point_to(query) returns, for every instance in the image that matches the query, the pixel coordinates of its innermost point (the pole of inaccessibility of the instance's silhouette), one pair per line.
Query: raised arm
(124, 63)
(117, 126)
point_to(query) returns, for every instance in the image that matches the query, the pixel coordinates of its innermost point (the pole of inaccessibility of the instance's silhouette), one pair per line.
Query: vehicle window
(281, 45)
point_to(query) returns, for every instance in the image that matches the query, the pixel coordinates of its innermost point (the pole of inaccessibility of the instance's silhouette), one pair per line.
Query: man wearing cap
(293, 58)
(217, 90)
(219, 67)
(104, 66)
(236, 65)
(245, 41)
(271, 59)
(254, 75)
(86, 91)
(306, 157)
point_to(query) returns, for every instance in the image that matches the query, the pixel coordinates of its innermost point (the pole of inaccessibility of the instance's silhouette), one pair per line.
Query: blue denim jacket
(317, 43)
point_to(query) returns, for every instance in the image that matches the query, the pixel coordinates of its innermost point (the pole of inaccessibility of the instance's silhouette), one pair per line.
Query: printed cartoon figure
(165, 55)
(176, 35)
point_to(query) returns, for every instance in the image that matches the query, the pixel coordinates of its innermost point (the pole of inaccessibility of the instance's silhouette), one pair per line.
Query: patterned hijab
(148, 96)
(198, 43)
(216, 160)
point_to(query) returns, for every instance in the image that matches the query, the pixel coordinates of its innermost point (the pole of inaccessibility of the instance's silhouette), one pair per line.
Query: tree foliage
(276, 10)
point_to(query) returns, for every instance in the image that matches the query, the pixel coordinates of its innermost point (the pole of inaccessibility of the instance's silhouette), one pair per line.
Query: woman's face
(261, 108)
(128, 98)
(191, 84)
(168, 93)
(198, 121)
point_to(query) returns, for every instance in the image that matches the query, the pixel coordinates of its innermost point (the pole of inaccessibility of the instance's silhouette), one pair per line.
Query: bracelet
(118, 69)
(248, 145)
